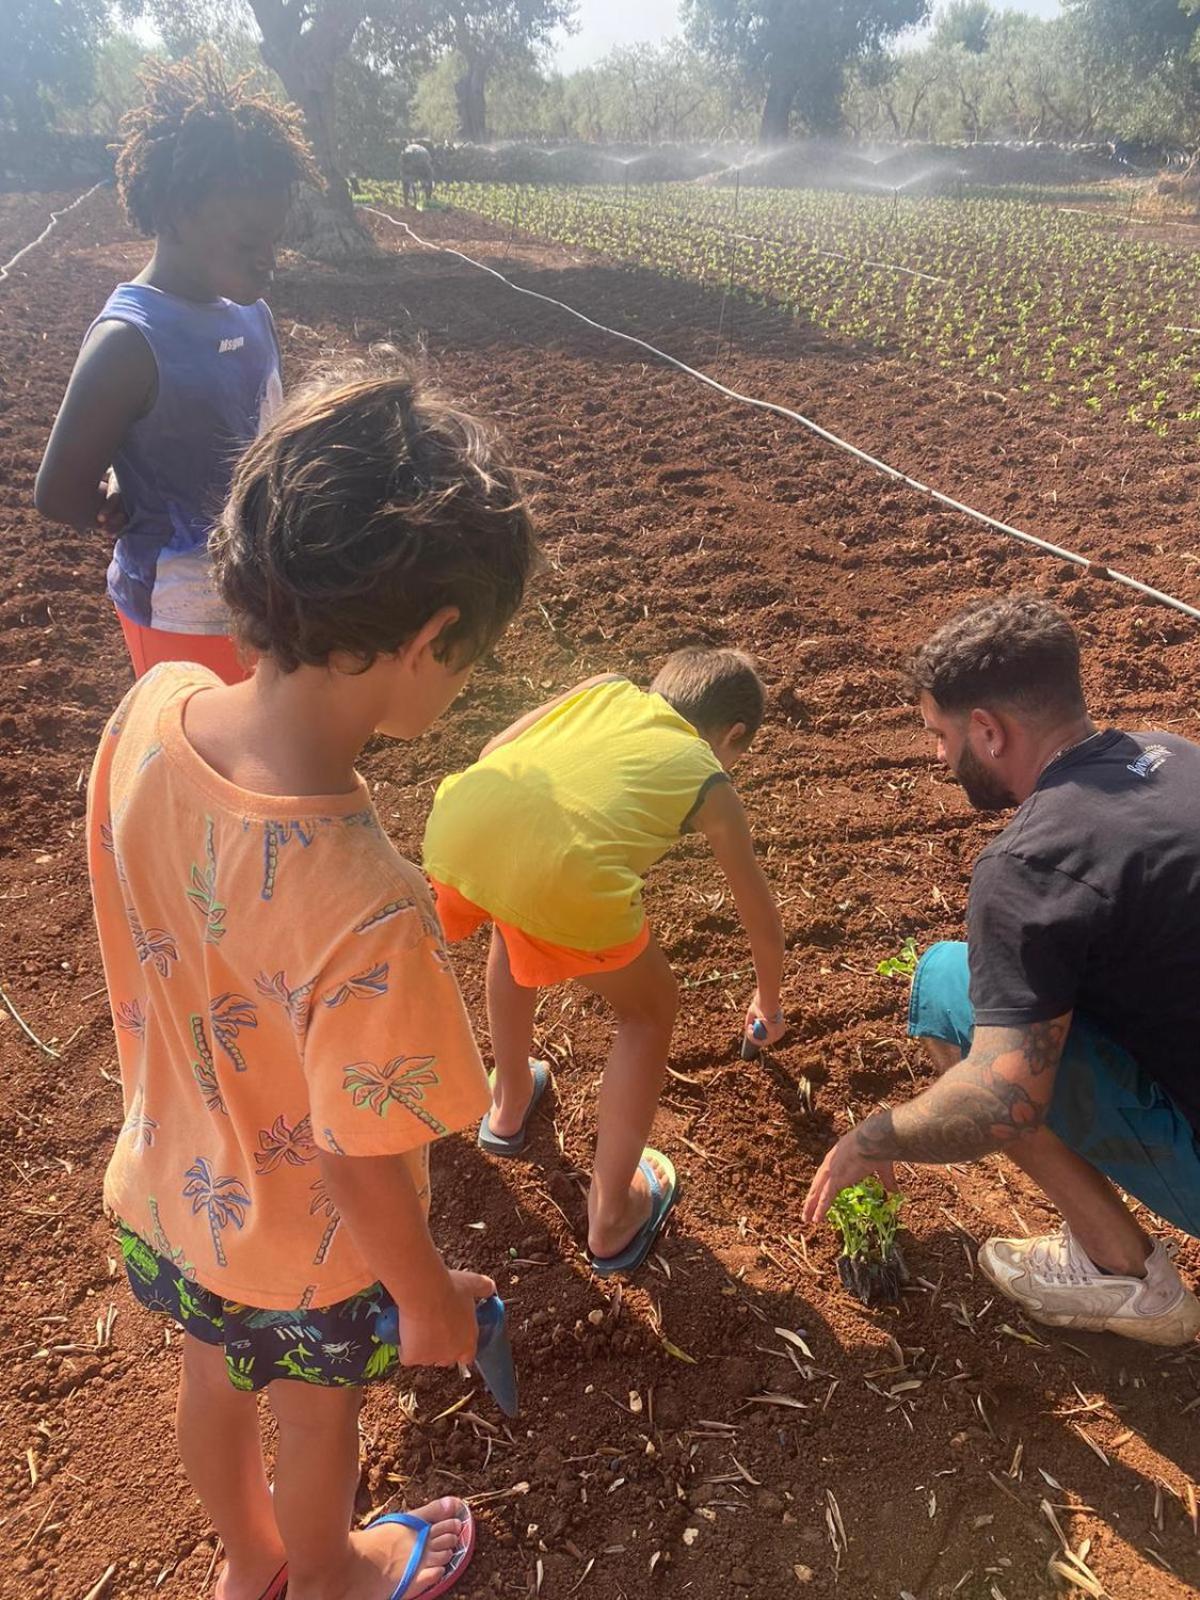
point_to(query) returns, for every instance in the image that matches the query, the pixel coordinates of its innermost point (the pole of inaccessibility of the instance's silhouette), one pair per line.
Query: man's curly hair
(195, 132)
(1020, 651)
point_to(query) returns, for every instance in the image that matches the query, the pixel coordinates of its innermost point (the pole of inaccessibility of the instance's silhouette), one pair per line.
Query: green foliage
(47, 59)
(799, 51)
(967, 23)
(903, 964)
(1012, 294)
(866, 1217)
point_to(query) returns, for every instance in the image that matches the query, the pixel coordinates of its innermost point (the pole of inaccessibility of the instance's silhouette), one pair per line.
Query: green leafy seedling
(903, 964)
(866, 1218)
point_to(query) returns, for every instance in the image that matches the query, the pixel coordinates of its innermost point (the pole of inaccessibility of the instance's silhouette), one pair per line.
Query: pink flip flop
(458, 1564)
(277, 1587)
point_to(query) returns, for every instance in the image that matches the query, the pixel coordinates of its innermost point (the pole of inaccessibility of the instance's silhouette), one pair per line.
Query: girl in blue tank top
(181, 367)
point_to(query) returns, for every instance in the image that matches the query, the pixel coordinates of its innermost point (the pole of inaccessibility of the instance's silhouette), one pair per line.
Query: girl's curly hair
(195, 132)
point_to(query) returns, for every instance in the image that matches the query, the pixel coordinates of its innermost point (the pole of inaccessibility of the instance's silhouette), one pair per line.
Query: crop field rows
(1013, 296)
(673, 1443)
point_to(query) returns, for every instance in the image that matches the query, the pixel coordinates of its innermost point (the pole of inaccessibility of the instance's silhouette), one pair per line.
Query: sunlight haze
(604, 24)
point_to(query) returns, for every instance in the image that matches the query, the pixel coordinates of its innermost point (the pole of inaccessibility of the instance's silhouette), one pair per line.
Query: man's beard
(983, 789)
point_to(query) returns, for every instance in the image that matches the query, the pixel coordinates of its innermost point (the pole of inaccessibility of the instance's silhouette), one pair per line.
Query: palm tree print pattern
(203, 892)
(230, 1013)
(225, 1199)
(131, 1018)
(205, 1070)
(138, 1128)
(363, 986)
(321, 1202)
(384, 914)
(430, 926)
(163, 1246)
(294, 1001)
(153, 945)
(279, 1144)
(275, 836)
(402, 1081)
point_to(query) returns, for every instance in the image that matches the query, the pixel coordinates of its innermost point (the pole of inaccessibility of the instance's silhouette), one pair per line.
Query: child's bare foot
(609, 1236)
(262, 1579)
(380, 1554)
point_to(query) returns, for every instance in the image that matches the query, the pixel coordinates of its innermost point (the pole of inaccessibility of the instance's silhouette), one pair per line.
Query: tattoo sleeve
(997, 1094)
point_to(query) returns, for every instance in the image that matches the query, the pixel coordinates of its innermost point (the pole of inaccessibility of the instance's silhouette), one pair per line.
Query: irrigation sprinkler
(937, 496)
(516, 216)
(735, 243)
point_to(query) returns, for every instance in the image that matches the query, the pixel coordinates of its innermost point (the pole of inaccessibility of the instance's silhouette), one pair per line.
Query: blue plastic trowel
(493, 1354)
(752, 1048)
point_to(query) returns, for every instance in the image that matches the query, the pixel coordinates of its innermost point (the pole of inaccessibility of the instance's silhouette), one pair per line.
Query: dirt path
(910, 1451)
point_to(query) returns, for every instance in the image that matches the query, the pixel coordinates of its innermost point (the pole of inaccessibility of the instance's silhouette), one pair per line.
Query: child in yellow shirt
(291, 1037)
(548, 837)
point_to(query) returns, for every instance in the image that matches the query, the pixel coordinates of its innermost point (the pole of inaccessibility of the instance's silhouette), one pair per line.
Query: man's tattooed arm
(998, 1094)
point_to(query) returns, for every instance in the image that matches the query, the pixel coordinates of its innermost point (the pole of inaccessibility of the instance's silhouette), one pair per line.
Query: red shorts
(148, 646)
(535, 963)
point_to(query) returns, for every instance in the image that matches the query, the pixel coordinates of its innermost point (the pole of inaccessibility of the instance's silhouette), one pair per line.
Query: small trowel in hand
(493, 1354)
(750, 1049)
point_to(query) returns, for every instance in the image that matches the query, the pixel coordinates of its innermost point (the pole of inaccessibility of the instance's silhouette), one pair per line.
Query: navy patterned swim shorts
(334, 1346)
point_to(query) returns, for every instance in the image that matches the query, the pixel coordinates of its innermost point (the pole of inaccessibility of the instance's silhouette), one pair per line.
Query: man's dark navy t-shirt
(1089, 901)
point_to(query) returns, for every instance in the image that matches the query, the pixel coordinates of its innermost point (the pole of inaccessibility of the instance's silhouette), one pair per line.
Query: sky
(605, 23)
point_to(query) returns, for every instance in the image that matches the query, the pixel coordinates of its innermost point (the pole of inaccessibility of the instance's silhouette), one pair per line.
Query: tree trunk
(470, 94)
(777, 111)
(322, 224)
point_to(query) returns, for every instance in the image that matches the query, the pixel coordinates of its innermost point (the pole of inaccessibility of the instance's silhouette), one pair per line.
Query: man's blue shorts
(1105, 1107)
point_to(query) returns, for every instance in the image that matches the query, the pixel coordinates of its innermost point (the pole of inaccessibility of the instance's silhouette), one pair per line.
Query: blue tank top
(218, 381)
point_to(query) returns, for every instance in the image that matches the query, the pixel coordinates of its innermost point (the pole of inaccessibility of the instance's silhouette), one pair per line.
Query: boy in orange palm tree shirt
(291, 1036)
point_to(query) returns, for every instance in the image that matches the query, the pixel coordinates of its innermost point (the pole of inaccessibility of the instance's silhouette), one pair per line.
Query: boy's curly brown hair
(368, 504)
(195, 132)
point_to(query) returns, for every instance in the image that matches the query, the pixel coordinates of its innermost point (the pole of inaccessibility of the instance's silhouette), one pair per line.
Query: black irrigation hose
(813, 427)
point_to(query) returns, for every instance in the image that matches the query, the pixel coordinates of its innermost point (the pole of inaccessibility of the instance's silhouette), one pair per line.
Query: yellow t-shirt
(555, 831)
(279, 984)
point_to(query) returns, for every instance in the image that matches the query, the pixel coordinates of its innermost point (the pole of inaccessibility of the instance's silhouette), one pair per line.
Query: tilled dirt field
(671, 1441)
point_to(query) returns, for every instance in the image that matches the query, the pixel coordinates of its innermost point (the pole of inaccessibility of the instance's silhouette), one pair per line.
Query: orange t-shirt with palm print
(279, 985)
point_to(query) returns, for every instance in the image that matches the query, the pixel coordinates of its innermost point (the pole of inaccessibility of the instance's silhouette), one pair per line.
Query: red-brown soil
(923, 1443)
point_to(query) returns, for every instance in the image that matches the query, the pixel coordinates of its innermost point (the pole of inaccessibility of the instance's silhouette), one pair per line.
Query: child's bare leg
(645, 997)
(510, 1009)
(221, 1449)
(316, 1478)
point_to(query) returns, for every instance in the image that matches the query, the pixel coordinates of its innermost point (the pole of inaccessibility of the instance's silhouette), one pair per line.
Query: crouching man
(1067, 1027)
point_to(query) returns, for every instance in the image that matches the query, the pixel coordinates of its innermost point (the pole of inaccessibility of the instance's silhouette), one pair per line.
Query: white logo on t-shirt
(1149, 761)
(227, 345)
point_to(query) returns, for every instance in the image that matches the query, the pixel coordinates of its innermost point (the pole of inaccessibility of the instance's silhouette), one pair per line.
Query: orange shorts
(148, 646)
(535, 963)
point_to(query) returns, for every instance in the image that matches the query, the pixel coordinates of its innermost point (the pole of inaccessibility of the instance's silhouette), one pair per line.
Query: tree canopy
(48, 58)
(799, 50)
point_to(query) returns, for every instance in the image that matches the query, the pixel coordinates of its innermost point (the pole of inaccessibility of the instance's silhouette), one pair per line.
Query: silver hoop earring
(991, 752)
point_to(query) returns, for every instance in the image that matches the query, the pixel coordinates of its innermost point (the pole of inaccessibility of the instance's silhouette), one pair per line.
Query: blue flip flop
(662, 1199)
(456, 1566)
(494, 1143)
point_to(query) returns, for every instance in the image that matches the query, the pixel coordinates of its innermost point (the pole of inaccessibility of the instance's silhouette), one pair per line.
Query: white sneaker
(1053, 1281)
